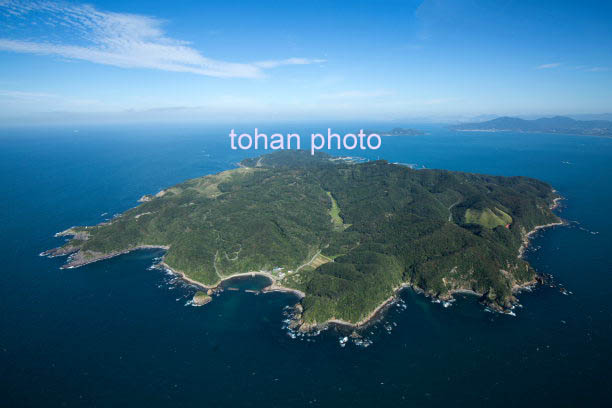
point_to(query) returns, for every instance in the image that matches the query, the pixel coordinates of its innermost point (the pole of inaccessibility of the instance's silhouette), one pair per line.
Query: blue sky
(227, 61)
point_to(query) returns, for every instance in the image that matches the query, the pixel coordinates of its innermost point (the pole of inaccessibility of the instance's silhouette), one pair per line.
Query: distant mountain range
(396, 132)
(557, 124)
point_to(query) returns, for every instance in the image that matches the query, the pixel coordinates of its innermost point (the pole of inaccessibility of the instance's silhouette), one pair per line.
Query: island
(557, 124)
(201, 298)
(396, 132)
(343, 236)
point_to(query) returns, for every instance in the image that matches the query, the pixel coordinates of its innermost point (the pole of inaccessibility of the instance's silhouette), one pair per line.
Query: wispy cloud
(597, 69)
(439, 101)
(45, 99)
(549, 66)
(36, 96)
(288, 61)
(590, 68)
(355, 94)
(121, 40)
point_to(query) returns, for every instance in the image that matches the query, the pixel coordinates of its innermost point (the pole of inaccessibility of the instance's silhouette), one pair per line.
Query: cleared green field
(487, 218)
(335, 215)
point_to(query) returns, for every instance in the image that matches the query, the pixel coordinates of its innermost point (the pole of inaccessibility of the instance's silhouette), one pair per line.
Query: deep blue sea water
(116, 333)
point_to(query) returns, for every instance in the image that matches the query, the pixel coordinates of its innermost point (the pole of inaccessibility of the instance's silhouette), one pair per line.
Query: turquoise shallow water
(116, 333)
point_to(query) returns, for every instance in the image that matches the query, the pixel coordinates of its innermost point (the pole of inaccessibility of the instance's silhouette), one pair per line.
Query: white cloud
(549, 66)
(122, 40)
(288, 61)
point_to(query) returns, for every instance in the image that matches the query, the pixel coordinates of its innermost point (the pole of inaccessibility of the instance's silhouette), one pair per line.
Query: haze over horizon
(431, 60)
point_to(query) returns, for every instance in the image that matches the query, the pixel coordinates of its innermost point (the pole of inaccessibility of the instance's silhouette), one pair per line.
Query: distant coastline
(556, 125)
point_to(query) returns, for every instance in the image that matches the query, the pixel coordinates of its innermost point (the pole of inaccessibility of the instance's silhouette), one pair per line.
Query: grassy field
(334, 213)
(319, 260)
(487, 218)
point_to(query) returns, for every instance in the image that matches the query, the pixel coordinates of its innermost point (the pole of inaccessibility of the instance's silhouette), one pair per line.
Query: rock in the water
(201, 298)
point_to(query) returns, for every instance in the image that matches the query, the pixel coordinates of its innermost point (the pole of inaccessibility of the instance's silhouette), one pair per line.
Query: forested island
(556, 124)
(344, 236)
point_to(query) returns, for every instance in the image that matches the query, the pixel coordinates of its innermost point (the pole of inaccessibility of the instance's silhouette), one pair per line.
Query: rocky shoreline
(528, 235)
(77, 259)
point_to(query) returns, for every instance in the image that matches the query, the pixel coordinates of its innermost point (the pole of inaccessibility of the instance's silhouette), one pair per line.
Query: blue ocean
(118, 333)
